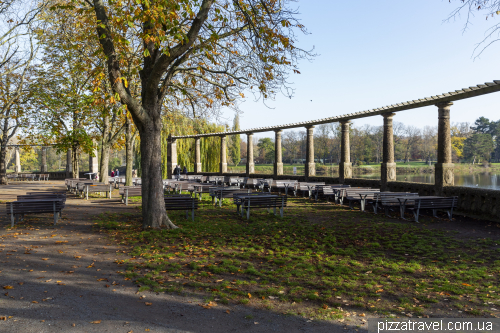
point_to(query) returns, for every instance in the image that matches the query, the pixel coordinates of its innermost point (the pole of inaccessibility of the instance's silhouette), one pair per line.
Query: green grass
(320, 257)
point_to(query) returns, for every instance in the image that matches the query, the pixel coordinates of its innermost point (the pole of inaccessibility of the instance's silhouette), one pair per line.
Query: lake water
(480, 180)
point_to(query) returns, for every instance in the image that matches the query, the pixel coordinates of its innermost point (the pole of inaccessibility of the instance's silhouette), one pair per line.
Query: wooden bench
(96, 188)
(361, 195)
(17, 209)
(283, 185)
(387, 200)
(238, 199)
(263, 201)
(435, 203)
(306, 188)
(221, 193)
(130, 191)
(326, 191)
(181, 202)
(199, 189)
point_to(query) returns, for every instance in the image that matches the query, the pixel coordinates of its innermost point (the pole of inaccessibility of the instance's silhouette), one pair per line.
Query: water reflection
(480, 180)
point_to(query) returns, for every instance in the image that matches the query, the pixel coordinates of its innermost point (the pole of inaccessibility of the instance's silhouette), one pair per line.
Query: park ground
(322, 268)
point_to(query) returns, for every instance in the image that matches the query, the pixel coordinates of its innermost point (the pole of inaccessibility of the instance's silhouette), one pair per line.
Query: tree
(194, 54)
(234, 143)
(321, 140)
(291, 146)
(266, 149)
(488, 9)
(412, 137)
(18, 20)
(478, 147)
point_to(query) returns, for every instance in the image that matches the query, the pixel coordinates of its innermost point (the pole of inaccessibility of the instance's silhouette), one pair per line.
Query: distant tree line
(475, 143)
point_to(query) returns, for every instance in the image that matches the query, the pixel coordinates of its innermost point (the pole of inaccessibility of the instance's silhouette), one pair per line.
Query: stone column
(444, 169)
(171, 156)
(18, 160)
(197, 156)
(388, 167)
(94, 160)
(278, 162)
(250, 164)
(223, 155)
(43, 166)
(310, 165)
(69, 163)
(345, 167)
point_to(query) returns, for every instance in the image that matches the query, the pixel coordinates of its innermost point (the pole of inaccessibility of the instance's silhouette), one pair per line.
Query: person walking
(117, 173)
(112, 174)
(185, 171)
(177, 172)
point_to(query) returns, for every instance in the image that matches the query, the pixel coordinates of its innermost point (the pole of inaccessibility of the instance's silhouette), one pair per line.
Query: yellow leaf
(148, 303)
(249, 295)
(8, 287)
(96, 322)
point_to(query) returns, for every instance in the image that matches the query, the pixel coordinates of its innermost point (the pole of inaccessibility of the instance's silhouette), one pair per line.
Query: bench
(238, 199)
(19, 208)
(435, 203)
(306, 188)
(221, 193)
(199, 189)
(363, 195)
(95, 188)
(181, 202)
(130, 191)
(283, 185)
(263, 201)
(326, 191)
(387, 200)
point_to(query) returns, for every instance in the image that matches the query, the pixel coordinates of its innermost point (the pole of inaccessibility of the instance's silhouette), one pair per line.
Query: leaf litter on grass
(317, 255)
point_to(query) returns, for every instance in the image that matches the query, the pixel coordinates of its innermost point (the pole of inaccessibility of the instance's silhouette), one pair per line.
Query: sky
(376, 53)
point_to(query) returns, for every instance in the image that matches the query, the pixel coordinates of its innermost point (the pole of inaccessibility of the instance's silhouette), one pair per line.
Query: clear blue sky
(376, 53)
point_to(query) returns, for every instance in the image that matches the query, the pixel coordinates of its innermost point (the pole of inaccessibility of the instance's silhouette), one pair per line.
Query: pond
(481, 180)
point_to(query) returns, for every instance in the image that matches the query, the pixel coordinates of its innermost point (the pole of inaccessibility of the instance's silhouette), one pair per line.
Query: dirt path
(64, 279)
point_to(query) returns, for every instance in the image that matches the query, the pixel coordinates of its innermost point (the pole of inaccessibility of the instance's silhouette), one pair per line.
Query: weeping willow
(176, 124)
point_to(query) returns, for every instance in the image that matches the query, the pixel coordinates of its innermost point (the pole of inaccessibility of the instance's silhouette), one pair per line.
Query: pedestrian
(112, 174)
(185, 171)
(134, 173)
(117, 173)
(177, 172)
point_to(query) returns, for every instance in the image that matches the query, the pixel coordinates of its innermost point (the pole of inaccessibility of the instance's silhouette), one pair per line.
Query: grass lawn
(321, 260)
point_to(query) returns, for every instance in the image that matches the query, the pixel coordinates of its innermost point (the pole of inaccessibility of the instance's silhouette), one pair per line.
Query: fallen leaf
(362, 315)
(8, 287)
(96, 322)
(45, 258)
(107, 286)
(228, 312)
(148, 303)
(466, 284)
(249, 295)
(35, 302)
(380, 290)
(3, 318)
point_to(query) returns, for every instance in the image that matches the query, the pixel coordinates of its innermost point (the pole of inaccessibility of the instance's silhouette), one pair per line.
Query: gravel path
(64, 279)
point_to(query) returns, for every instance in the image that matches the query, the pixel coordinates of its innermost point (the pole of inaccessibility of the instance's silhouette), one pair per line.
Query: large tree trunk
(129, 152)
(104, 165)
(153, 205)
(74, 160)
(3, 163)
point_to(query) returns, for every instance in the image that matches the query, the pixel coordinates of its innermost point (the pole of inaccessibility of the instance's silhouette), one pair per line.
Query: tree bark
(129, 151)
(74, 159)
(153, 205)
(104, 165)
(3, 163)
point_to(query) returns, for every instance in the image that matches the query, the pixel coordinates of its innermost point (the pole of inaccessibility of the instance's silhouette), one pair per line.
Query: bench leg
(126, 201)
(187, 214)
(248, 212)
(362, 204)
(416, 213)
(12, 220)
(192, 214)
(450, 213)
(434, 212)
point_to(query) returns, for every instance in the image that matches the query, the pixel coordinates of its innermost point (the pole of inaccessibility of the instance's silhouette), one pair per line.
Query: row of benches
(36, 203)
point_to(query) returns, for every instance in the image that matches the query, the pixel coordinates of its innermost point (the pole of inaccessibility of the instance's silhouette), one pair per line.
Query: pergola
(444, 169)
